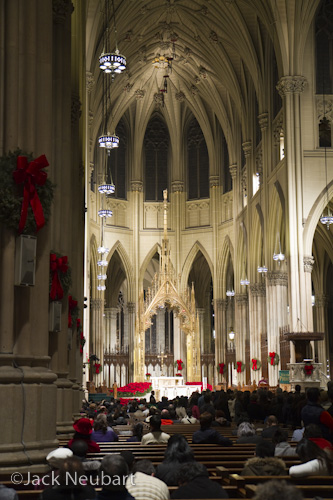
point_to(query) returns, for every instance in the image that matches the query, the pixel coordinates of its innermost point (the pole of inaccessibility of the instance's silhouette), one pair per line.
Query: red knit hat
(83, 426)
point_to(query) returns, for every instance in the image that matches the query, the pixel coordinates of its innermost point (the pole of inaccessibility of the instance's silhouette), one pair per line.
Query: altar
(172, 387)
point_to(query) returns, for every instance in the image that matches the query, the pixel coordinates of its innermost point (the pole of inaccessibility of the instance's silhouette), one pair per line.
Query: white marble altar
(172, 387)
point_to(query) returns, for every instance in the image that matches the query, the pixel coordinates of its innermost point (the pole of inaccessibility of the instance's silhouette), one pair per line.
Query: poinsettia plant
(308, 370)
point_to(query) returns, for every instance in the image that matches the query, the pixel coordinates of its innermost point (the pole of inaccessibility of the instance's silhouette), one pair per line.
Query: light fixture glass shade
(327, 219)
(262, 269)
(101, 276)
(278, 257)
(112, 62)
(230, 293)
(231, 335)
(108, 141)
(103, 249)
(102, 263)
(244, 282)
(101, 288)
(106, 188)
(105, 213)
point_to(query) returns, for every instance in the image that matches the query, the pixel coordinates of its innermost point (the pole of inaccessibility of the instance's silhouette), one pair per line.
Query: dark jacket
(114, 494)
(269, 466)
(168, 472)
(311, 413)
(200, 487)
(68, 492)
(268, 432)
(209, 436)
(249, 439)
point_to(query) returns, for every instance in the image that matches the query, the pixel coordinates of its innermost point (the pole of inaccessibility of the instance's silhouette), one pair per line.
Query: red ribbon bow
(308, 369)
(254, 364)
(78, 324)
(97, 367)
(239, 366)
(72, 304)
(180, 364)
(272, 356)
(221, 365)
(31, 174)
(57, 264)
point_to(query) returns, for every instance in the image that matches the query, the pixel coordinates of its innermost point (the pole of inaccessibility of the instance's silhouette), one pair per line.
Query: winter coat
(284, 450)
(269, 466)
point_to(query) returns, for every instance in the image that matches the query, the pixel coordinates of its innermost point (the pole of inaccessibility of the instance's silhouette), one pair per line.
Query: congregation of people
(279, 425)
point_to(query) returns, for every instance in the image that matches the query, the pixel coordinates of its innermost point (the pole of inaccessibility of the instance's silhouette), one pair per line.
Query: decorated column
(241, 329)
(321, 305)
(257, 317)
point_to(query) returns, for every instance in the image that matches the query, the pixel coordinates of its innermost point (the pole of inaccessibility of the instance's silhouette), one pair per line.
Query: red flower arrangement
(209, 387)
(221, 368)
(134, 389)
(178, 375)
(179, 364)
(308, 369)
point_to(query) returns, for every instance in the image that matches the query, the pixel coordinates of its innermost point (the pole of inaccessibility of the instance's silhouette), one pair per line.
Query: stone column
(290, 89)
(114, 342)
(160, 331)
(220, 310)
(131, 330)
(276, 301)
(321, 305)
(257, 317)
(241, 329)
(107, 328)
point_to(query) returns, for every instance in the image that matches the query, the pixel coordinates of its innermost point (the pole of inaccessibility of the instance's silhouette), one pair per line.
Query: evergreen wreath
(240, 366)
(219, 367)
(276, 359)
(12, 195)
(64, 273)
(255, 363)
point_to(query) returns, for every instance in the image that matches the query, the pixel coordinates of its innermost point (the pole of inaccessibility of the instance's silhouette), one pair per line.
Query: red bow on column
(272, 356)
(221, 365)
(239, 366)
(72, 304)
(57, 264)
(31, 174)
(180, 364)
(254, 364)
(97, 367)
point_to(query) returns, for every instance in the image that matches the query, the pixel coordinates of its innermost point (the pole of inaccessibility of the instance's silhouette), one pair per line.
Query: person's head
(206, 420)
(152, 410)
(272, 420)
(152, 393)
(312, 431)
(265, 449)
(246, 429)
(280, 436)
(181, 412)
(275, 490)
(83, 427)
(219, 414)
(178, 450)
(207, 399)
(115, 465)
(165, 414)
(56, 457)
(101, 423)
(313, 394)
(69, 471)
(145, 466)
(297, 388)
(155, 423)
(330, 394)
(189, 412)
(129, 458)
(189, 471)
(79, 448)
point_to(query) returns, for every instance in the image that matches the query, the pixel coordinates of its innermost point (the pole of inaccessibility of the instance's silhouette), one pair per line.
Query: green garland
(11, 195)
(64, 278)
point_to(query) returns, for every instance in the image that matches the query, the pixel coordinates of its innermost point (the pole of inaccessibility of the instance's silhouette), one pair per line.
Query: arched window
(197, 162)
(156, 144)
(117, 163)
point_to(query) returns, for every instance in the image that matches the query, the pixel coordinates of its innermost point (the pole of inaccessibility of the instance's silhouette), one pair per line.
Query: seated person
(143, 485)
(276, 490)
(316, 462)
(220, 419)
(272, 424)
(247, 433)
(137, 433)
(165, 417)
(282, 447)
(194, 482)
(80, 450)
(189, 419)
(264, 463)
(102, 432)
(313, 433)
(207, 435)
(155, 436)
(69, 487)
(83, 430)
(114, 466)
(177, 452)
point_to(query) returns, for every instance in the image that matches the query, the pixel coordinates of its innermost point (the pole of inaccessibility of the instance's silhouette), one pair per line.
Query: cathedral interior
(189, 145)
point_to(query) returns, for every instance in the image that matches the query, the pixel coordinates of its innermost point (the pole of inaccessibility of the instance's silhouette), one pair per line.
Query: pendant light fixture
(111, 62)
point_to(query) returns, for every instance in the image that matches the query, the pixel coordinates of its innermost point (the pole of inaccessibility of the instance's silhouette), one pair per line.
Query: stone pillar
(241, 329)
(276, 301)
(107, 328)
(290, 89)
(160, 331)
(257, 320)
(114, 342)
(321, 305)
(220, 310)
(131, 330)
